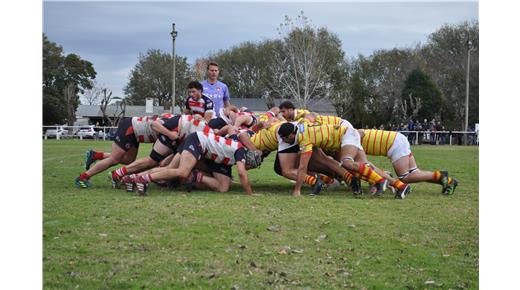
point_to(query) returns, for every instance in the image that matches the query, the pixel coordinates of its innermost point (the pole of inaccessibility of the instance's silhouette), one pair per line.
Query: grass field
(99, 238)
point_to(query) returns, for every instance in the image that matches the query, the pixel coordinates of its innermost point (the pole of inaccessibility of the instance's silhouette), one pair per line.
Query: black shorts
(168, 142)
(218, 168)
(217, 123)
(125, 137)
(277, 167)
(192, 144)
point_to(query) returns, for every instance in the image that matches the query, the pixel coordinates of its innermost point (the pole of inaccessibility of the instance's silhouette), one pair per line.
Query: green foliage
(245, 68)
(101, 238)
(58, 73)
(421, 98)
(151, 77)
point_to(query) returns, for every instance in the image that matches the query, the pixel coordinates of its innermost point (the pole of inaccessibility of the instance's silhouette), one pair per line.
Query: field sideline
(99, 238)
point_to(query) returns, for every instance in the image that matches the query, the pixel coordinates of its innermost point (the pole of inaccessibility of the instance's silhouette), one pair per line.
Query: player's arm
(186, 110)
(244, 138)
(158, 127)
(208, 115)
(243, 120)
(208, 110)
(225, 97)
(244, 179)
(302, 171)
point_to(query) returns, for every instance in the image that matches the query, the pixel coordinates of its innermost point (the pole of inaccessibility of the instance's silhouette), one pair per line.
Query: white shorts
(400, 148)
(351, 137)
(346, 123)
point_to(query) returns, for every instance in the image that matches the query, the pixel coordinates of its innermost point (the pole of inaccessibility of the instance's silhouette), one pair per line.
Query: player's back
(378, 142)
(267, 139)
(326, 137)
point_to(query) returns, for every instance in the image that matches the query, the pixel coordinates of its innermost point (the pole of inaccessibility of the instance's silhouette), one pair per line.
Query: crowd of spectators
(429, 132)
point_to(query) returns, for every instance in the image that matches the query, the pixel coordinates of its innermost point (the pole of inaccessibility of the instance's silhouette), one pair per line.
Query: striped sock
(398, 184)
(120, 172)
(367, 174)
(326, 179)
(437, 176)
(310, 180)
(347, 177)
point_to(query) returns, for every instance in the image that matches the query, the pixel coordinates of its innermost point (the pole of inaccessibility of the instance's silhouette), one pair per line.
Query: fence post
(57, 133)
(416, 138)
(450, 139)
(104, 133)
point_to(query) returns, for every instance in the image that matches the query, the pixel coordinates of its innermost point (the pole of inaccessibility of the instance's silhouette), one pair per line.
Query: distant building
(91, 114)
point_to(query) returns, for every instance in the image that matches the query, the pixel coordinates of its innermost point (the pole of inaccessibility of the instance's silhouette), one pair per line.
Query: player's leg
(92, 156)
(115, 157)
(286, 164)
(158, 153)
(406, 169)
(401, 187)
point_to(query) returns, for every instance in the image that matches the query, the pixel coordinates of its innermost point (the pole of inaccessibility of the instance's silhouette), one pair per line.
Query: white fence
(442, 137)
(73, 132)
(414, 137)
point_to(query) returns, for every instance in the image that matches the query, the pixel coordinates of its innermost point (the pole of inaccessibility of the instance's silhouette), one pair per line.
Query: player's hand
(197, 117)
(255, 194)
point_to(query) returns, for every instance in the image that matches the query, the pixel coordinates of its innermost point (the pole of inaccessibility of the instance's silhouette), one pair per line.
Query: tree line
(305, 63)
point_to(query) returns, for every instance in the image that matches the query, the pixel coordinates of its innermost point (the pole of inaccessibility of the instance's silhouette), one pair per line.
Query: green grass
(99, 238)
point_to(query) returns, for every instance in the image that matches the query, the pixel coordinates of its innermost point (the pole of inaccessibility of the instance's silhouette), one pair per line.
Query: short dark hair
(286, 105)
(287, 129)
(211, 63)
(195, 85)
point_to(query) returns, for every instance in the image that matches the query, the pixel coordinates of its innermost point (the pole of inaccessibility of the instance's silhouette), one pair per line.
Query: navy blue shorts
(192, 144)
(125, 137)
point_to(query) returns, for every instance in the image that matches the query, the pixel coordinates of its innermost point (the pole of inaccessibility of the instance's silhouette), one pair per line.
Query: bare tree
(119, 111)
(93, 95)
(301, 70)
(199, 69)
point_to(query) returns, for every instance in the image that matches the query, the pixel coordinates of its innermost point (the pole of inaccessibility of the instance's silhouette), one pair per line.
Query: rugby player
(341, 139)
(197, 103)
(171, 134)
(223, 152)
(130, 133)
(396, 147)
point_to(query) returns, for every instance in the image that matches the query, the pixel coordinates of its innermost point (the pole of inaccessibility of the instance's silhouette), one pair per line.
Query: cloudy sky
(112, 34)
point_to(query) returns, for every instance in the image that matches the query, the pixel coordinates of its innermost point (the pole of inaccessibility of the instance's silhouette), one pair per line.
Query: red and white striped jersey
(219, 149)
(188, 124)
(143, 129)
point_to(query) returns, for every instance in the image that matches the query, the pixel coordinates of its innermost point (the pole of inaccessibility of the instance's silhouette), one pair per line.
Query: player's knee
(224, 187)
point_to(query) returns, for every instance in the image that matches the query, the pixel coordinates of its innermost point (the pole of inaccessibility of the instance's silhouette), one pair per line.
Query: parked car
(87, 132)
(60, 131)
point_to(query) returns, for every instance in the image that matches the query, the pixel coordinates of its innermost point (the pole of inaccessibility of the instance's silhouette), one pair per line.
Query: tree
(64, 77)
(92, 96)
(420, 97)
(305, 61)
(120, 108)
(446, 60)
(151, 77)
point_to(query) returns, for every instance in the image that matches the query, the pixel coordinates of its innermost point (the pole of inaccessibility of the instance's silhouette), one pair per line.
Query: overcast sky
(112, 34)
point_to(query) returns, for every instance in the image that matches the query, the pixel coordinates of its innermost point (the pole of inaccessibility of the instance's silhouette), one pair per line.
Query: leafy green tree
(445, 55)
(421, 98)
(64, 78)
(151, 77)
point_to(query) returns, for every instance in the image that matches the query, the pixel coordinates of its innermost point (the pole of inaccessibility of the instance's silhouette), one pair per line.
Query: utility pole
(467, 93)
(174, 35)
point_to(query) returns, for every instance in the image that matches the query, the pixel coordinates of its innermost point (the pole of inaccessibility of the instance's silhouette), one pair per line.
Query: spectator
(442, 136)
(411, 135)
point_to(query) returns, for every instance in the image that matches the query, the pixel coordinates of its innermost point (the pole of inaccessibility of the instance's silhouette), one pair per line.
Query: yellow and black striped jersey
(298, 114)
(378, 142)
